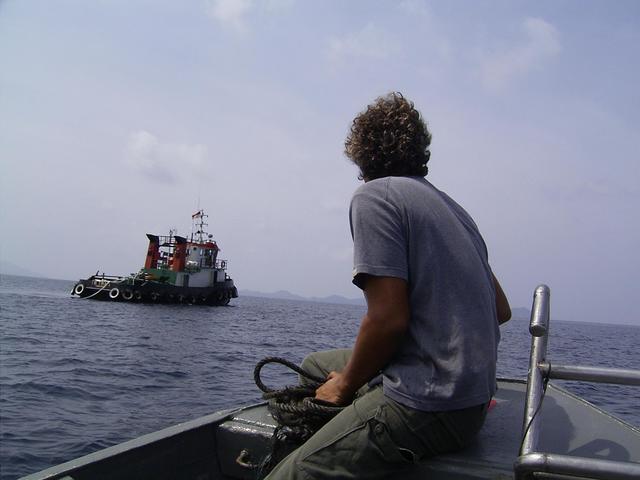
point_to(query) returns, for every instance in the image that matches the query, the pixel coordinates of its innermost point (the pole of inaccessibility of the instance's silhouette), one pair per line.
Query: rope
(286, 363)
(95, 293)
(298, 413)
(545, 382)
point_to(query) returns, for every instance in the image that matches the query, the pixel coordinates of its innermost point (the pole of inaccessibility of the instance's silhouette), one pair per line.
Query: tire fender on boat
(138, 295)
(155, 296)
(127, 294)
(78, 289)
(114, 293)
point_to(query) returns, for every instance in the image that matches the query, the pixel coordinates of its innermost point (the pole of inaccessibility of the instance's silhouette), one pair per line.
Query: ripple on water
(77, 376)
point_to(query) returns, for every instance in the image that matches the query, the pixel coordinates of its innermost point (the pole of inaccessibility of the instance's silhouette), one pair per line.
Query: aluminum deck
(570, 426)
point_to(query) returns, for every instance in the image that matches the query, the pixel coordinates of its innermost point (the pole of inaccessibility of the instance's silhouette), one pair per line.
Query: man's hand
(382, 328)
(335, 390)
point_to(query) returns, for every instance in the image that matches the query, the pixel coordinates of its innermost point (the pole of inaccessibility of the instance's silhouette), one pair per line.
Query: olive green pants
(374, 437)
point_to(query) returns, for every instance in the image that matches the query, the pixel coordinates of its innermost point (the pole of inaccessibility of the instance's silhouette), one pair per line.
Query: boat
(176, 270)
(535, 429)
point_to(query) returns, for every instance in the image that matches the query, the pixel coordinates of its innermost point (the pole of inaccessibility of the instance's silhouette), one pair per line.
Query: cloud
(164, 162)
(233, 14)
(541, 42)
(370, 42)
(274, 5)
(230, 13)
(416, 7)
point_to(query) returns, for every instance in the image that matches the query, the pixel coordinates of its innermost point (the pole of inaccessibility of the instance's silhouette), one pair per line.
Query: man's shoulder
(400, 192)
(394, 184)
(411, 191)
(378, 184)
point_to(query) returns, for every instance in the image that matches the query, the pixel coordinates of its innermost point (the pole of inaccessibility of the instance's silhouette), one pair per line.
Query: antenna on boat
(172, 233)
(198, 224)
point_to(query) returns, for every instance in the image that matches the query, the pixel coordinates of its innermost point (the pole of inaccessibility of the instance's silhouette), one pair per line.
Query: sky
(120, 118)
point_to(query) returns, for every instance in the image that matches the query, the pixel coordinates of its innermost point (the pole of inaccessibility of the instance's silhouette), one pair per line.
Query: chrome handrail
(618, 376)
(532, 461)
(539, 329)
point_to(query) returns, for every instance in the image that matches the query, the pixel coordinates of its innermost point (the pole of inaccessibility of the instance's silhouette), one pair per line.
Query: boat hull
(121, 289)
(229, 445)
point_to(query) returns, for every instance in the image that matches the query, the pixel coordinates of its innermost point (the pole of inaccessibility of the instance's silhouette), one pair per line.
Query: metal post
(620, 376)
(531, 461)
(539, 328)
(574, 467)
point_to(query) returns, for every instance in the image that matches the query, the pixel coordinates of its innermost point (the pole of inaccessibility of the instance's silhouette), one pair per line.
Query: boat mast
(198, 224)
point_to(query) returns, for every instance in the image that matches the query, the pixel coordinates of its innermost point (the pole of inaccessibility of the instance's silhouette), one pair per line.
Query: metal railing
(531, 461)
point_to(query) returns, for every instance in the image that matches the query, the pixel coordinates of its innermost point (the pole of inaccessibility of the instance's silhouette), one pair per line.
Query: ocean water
(80, 375)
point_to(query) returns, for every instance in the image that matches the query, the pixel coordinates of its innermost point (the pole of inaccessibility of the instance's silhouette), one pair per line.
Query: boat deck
(571, 426)
(208, 448)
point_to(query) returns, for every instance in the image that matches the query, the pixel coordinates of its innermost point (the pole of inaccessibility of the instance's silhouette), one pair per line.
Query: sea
(80, 375)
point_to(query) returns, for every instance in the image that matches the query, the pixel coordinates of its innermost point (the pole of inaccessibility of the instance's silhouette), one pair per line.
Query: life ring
(138, 295)
(78, 289)
(127, 294)
(114, 293)
(155, 296)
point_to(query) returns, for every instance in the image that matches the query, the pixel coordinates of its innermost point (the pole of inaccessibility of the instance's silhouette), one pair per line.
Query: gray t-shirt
(404, 227)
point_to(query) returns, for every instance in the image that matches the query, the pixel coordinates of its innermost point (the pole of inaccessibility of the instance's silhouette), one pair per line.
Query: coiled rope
(298, 413)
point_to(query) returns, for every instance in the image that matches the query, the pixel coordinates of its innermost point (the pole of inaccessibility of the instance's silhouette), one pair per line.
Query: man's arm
(502, 304)
(381, 331)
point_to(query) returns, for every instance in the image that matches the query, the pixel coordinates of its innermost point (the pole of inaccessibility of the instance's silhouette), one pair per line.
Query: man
(433, 309)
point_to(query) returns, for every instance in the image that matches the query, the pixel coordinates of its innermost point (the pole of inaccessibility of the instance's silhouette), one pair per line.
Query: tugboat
(176, 270)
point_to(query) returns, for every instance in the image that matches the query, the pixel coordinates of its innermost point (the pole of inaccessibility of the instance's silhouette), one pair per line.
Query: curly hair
(389, 138)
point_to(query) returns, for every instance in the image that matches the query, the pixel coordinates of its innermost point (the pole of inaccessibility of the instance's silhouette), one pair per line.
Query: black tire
(127, 294)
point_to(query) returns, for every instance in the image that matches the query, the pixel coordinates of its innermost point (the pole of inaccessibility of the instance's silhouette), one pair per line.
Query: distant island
(8, 268)
(285, 295)
(518, 312)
